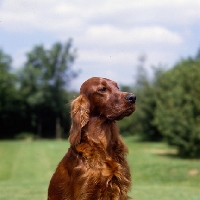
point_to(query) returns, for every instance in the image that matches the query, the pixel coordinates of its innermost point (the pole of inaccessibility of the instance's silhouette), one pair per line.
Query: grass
(27, 166)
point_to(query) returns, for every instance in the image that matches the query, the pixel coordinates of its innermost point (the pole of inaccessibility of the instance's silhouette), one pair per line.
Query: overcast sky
(109, 35)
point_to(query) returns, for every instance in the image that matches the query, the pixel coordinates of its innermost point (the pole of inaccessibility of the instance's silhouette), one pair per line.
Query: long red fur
(95, 166)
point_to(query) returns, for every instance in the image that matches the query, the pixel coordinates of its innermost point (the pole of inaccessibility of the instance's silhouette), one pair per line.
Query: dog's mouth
(123, 114)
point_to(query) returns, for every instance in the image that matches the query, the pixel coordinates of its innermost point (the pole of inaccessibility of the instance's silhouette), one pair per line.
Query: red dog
(95, 167)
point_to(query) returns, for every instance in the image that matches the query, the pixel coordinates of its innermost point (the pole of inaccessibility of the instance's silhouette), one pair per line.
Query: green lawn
(26, 168)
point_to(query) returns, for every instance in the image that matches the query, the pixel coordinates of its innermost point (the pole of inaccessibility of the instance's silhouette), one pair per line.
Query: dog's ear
(80, 108)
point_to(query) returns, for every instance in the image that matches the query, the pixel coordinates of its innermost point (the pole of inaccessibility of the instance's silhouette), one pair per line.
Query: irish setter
(95, 166)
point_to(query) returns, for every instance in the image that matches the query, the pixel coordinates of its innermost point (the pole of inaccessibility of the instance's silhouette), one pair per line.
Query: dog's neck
(103, 134)
(100, 130)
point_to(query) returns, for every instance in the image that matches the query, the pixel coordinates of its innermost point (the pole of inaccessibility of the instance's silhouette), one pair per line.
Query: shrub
(177, 113)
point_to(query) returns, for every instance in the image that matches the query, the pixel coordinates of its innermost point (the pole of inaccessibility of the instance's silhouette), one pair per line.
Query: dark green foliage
(35, 99)
(146, 106)
(168, 106)
(11, 108)
(141, 121)
(177, 114)
(43, 82)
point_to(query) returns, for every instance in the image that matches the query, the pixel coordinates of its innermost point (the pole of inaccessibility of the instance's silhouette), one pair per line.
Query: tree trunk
(39, 129)
(58, 129)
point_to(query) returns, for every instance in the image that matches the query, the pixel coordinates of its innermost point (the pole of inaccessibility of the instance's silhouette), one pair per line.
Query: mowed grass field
(27, 166)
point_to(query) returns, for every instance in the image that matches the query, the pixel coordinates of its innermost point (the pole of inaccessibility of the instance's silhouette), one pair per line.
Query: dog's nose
(131, 98)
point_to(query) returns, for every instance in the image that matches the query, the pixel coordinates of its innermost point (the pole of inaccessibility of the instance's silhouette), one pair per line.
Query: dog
(95, 166)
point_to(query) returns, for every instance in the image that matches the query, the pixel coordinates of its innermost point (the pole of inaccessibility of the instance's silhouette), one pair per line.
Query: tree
(197, 57)
(177, 113)
(44, 78)
(10, 106)
(141, 121)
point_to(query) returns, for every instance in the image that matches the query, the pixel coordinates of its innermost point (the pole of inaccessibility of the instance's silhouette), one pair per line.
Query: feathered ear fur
(80, 117)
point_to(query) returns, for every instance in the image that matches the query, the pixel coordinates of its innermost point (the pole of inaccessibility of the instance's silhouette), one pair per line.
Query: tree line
(168, 106)
(35, 100)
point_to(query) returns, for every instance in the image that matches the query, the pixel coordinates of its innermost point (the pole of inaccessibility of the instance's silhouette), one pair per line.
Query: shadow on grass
(170, 153)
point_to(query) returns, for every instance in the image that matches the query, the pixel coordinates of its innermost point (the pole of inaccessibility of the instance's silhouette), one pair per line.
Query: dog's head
(99, 97)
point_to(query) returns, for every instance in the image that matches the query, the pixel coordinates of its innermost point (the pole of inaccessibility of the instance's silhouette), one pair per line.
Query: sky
(109, 35)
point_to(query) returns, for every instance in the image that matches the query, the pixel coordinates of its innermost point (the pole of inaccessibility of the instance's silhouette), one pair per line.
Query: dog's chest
(100, 167)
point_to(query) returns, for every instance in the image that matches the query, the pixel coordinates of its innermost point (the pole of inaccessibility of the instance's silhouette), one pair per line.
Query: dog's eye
(103, 89)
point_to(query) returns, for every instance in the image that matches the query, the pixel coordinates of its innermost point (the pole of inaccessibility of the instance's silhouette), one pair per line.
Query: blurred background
(151, 48)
